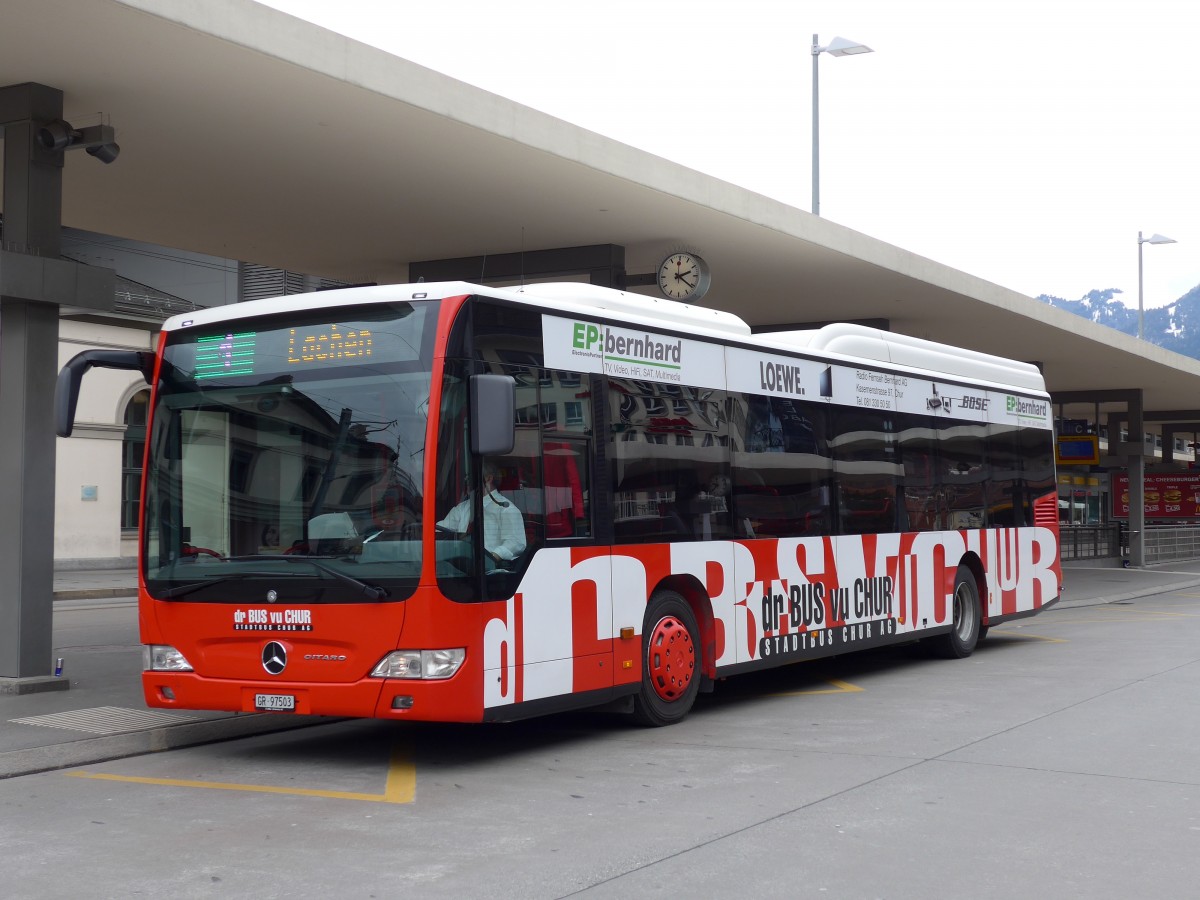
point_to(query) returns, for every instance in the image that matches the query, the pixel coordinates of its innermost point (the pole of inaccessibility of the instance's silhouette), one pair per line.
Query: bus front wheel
(670, 663)
(963, 635)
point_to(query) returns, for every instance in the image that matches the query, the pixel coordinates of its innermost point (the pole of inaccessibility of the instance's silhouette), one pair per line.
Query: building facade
(98, 470)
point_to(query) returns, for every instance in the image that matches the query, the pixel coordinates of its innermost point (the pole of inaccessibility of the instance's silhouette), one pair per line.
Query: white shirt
(503, 527)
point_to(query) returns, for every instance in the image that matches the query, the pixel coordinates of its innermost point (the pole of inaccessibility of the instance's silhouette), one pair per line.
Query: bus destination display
(234, 354)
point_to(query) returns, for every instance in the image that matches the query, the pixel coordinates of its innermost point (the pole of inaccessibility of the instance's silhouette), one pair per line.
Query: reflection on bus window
(781, 467)
(669, 462)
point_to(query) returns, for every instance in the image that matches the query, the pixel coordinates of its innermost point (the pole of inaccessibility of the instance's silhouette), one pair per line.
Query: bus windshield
(286, 457)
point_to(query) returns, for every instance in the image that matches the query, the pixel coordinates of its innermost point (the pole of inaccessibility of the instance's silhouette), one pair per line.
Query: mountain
(1175, 327)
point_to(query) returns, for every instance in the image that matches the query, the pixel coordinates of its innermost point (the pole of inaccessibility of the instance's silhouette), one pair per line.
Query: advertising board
(1173, 495)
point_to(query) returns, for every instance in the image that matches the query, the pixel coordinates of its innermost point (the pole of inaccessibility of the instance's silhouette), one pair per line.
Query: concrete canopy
(249, 134)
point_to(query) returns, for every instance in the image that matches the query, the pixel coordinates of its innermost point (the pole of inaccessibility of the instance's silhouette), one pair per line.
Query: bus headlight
(420, 663)
(163, 658)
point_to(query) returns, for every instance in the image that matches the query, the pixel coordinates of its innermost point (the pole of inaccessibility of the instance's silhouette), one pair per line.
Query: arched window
(133, 446)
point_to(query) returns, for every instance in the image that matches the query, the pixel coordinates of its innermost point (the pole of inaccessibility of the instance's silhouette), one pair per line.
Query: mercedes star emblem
(274, 658)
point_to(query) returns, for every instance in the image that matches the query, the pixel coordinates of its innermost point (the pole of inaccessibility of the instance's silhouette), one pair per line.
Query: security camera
(98, 140)
(106, 153)
(55, 135)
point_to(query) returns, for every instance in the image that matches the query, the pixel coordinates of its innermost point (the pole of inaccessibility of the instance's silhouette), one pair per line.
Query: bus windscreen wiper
(370, 591)
(181, 590)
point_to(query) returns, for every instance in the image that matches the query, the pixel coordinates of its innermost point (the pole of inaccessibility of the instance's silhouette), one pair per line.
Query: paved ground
(1058, 761)
(103, 717)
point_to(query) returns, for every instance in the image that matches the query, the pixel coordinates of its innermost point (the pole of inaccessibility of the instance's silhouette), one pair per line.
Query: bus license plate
(275, 702)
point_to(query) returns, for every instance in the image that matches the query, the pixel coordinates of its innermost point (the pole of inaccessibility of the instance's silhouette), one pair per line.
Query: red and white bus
(684, 500)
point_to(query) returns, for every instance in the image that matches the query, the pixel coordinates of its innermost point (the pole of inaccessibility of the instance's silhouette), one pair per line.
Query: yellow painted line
(839, 687)
(401, 786)
(1125, 614)
(225, 786)
(401, 779)
(1026, 636)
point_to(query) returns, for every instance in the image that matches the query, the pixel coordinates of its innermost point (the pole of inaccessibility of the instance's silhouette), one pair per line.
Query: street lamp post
(837, 47)
(1153, 239)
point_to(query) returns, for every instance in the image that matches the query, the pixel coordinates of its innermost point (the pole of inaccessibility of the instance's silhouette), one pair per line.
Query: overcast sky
(1025, 141)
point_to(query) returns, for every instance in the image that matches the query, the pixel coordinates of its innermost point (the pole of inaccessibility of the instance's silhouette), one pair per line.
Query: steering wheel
(189, 550)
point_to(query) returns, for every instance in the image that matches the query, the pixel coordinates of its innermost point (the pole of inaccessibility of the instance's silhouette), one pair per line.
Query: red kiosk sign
(1167, 495)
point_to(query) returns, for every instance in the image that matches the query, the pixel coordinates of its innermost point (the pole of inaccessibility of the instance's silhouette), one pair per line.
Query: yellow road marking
(401, 785)
(1161, 613)
(839, 687)
(1027, 636)
(1124, 615)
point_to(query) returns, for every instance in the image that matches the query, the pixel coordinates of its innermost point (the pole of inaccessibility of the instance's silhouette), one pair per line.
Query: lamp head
(841, 46)
(1158, 239)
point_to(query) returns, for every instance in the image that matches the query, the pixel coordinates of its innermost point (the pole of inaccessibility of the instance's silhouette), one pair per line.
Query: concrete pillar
(32, 174)
(34, 282)
(1136, 455)
(28, 357)
(28, 369)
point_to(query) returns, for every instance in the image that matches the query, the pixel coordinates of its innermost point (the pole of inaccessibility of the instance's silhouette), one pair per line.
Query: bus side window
(868, 471)
(548, 474)
(1006, 504)
(963, 477)
(566, 467)
(922, 507)
(782, 467)
(668, 451)
(1037, 467)
(566, 450)
(519, 475)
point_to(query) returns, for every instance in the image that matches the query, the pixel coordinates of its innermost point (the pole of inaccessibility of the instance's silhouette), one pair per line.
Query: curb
(95, 593)
(1129, 595)
(83, 752)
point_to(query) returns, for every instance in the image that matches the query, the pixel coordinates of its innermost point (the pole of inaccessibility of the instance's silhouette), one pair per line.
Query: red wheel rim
(671, 658)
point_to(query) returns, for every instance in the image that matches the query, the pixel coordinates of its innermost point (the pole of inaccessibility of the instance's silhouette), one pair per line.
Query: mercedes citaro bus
(686, 500)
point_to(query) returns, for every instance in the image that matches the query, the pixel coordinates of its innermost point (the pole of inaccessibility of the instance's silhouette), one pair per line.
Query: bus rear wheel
(670, 663)
(960, 640)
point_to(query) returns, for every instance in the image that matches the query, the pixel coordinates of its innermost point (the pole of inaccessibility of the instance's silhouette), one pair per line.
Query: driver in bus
(503, 527)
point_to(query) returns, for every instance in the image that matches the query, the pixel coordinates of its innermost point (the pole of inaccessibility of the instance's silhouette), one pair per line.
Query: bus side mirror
(66, 390)
(493, 407)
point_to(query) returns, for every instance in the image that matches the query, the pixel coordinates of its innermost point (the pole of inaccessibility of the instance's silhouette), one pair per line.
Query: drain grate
(106, 720)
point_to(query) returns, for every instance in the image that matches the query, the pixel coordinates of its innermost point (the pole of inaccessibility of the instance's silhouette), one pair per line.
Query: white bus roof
(859, 342)
(845, 341)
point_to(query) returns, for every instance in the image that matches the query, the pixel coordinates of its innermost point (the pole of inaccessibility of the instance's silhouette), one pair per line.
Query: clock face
(683, 276)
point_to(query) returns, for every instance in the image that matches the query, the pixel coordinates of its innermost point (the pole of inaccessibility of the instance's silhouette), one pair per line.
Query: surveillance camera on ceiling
(98, 140)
